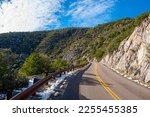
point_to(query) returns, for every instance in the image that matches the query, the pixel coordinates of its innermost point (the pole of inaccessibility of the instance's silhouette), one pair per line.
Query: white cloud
(32, 15)
(29, 15)
(90, 12)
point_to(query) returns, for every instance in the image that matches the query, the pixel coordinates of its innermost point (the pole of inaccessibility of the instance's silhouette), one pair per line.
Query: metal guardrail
(31, 90)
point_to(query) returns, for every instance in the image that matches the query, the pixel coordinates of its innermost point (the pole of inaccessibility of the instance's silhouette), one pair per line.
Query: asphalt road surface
(98, 82)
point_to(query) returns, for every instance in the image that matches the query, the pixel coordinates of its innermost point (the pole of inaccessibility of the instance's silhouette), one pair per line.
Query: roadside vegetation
(113, 34)
(9, 77)
(25, 54)
(38, 64)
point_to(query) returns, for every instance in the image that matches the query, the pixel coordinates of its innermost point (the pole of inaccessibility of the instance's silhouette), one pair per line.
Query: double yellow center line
(105, 86)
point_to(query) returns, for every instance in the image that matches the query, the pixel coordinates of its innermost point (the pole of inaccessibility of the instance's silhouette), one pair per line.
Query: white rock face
(131, 58)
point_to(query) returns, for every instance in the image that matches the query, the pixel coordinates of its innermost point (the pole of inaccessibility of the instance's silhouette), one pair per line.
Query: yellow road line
(105, 86)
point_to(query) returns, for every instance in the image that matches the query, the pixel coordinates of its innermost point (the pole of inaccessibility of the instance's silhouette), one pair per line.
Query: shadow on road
(89, 81)
(72, 90)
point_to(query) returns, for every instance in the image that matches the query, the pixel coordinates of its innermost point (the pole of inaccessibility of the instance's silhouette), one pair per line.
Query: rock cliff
(133, 55)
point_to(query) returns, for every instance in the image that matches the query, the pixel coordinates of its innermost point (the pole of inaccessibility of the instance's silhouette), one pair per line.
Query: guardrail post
(46, 73)
(60, 75)
(34, 81)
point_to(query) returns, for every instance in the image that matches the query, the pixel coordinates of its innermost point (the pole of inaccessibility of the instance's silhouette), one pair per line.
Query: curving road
(98, 82)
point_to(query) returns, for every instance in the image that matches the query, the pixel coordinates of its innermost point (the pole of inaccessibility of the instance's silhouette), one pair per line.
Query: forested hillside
(29, 53)
(21, 42)
(72, 43)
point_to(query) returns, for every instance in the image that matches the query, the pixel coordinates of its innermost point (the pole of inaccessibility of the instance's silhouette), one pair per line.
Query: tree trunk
(9, 94)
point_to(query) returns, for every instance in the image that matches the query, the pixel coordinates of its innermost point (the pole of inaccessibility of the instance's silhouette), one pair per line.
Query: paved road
(97, 82)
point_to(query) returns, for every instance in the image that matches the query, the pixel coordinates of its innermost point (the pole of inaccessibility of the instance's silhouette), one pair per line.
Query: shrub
(139, 19)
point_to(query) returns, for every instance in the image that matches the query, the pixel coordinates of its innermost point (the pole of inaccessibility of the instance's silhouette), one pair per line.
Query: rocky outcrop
(133, 55)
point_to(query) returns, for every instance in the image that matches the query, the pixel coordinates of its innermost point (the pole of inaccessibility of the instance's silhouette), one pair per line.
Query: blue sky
(129, 8)
(118, 9)
(32, 15)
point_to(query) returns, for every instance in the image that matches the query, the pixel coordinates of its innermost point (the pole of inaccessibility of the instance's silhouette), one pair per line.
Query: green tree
(3, 69)
(33, 65)
(9, 79)
(59, 64)
(46, 62)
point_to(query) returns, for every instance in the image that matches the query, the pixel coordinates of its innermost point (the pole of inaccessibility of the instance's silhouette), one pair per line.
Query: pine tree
(33, 65)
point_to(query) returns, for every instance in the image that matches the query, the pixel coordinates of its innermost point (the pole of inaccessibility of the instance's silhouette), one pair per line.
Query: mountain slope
(21, 42)
(72, 44)
(132, 58)
(56, 42)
